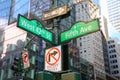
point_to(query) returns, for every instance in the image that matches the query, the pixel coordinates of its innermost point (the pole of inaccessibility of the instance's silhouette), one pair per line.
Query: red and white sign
(53, 59)
(25, 57)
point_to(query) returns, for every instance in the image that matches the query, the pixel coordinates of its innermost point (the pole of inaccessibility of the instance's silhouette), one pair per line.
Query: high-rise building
(12, 38)
(104, 26)
(90, 46)
(118, 48)
(114, 13)
(106, 60)
(105, 53)
(86, 11)
(114, 57)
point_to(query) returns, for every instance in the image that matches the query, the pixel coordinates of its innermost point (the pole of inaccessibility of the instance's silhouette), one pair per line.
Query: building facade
(13, 39)
(114, 57)
(106, 57)
(114, 13)
(90, 46)
(104, 26)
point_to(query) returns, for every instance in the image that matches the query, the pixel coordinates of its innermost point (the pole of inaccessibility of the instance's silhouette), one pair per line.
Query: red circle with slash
(25, 57)
(56, 59)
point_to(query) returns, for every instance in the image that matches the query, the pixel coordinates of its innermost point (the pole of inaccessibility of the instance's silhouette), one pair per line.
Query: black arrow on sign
(53, 53)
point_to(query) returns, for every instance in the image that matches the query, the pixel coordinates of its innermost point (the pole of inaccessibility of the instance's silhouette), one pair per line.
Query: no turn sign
(25, 57)
(53, 59)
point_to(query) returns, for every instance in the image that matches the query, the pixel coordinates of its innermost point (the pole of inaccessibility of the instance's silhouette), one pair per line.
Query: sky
(113, 33)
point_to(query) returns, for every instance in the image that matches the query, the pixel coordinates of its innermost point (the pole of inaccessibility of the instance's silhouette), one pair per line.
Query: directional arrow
(53, 53)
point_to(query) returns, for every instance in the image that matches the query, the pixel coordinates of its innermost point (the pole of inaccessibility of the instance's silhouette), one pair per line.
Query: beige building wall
(90, 46)
(104, 26)
(86, 11)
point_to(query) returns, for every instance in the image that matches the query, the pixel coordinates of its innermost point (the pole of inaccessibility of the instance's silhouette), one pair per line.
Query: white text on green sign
(78, 29)
(34, 27)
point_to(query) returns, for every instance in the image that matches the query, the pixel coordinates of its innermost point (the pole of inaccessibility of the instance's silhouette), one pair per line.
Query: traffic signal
(16, 66)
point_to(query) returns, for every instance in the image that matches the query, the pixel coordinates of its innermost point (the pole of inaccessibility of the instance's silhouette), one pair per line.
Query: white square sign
(53, 59)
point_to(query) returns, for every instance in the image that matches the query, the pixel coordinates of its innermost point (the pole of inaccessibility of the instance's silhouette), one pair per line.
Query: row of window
(112, 41)
(84, 50)
(111, 46)
(114, 66)
(113, 61)
(113, 56)
(115, 72)
(112, 51)
(85, 43)
(85, 37)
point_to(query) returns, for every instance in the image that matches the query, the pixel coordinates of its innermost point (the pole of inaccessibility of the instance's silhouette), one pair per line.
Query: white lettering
(48, 36)
(52, 68)
(38, 30)
(85, 29)
(71, 34)
(27, 26)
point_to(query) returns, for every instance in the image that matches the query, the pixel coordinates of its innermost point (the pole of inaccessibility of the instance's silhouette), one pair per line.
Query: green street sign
(79, 29)
(35, 27)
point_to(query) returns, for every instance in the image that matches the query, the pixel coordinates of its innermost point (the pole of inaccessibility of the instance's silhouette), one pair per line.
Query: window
(80, 44)
(113, 61)
(88, 49)
(114, 50)
(109, 51)
(85, 50)
(80, 38)
(113, 45)
(116, 72)
(81, 51)
(112, 41)
(15, 9)
(11, 47)
(110, 56)
(116, 66)
(85, 5)
(109, 46)
(84, 37)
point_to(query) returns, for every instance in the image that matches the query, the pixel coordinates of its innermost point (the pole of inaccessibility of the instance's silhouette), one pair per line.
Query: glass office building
(12, 39)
